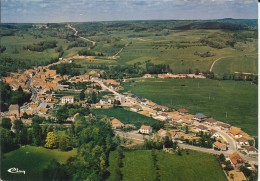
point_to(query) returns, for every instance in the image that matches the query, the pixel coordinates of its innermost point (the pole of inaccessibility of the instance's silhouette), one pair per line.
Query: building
(162, 133)
(120, 98)
(235, 132)
(235, 160)
(182, 111)
(242, 141)
(136, 108)
(211, 122)
(14, 110)
(116, 124)
(67, 99)
(219, 146)
(200, 117)
(145, 129)
(214, 134)
(250, 150)
(105, 101)
(202, 128)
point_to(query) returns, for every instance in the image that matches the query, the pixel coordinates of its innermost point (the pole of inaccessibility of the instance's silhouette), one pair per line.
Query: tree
(51, 140)
(94, 97)
(7, 141)
(37, 134)
(82, 95)
(222, 157)
(63, 143)
(18, 125)
(6, 123)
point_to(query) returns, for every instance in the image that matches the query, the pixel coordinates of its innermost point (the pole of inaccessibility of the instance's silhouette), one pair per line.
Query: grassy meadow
(235, 99)
(126, 117)
(137, 165)
(32, 160)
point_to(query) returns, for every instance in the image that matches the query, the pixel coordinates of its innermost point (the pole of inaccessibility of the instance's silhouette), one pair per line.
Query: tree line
(41, 46)
(67, 68)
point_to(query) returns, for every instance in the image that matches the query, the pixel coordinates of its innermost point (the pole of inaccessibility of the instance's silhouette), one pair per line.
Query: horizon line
(131, 20)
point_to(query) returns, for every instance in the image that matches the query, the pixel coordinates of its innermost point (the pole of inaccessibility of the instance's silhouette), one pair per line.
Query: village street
(136, 136)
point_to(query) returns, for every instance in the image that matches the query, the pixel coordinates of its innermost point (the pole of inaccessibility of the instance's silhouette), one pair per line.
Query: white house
(214, 134)
(145, 129)
(67, 99)
(105, 101)
(120, 98)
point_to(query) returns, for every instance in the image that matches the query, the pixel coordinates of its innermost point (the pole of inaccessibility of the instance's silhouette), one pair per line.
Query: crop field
(234, 102)
(32, 160)
(138, 165)
(142, 42)
(246, 64)
(126, 117)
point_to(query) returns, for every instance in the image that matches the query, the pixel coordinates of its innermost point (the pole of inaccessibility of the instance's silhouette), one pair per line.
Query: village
(50, 92)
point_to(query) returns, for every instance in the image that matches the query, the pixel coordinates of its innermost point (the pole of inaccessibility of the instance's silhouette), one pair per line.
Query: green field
(31, 159)
(157, 43)
(235, 99)
(137, 165)
(126, 117)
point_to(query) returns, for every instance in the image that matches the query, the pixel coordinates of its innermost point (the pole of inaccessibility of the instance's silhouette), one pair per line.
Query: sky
(51, 11)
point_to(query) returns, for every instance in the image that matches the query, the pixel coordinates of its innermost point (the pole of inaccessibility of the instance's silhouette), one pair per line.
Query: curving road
(212, 65)
(76, 34)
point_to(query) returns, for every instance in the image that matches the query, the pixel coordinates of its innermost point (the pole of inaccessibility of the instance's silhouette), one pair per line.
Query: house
(48, 98)
(219, 146)
(235, 160)
(187, 121)
(145, 129)
(211, 122)
(242, 141)
(202, 128)
(50, 73)
(200, 117)
(120, 98)
(151, 104)
(105, 101)
(163, 108)
(116, 124)
(147, 76)
(223, 126)
(136, 108)
(44, 110)
(235, 132)
(161, 116)
(98, 105)
(250, 150)
(14, 110)
(144, 102)
(33, 106)
(182, 111)
(214, 134)
(152, 112)
(162, 133)
(67, 99)
(111, 82)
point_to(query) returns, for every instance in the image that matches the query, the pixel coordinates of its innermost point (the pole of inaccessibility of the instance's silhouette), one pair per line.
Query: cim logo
(15, 170)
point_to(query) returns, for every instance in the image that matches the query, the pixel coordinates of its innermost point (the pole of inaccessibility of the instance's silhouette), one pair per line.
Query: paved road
(107, 88)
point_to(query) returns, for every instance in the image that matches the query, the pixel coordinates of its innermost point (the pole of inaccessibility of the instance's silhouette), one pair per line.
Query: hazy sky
(104, 10)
